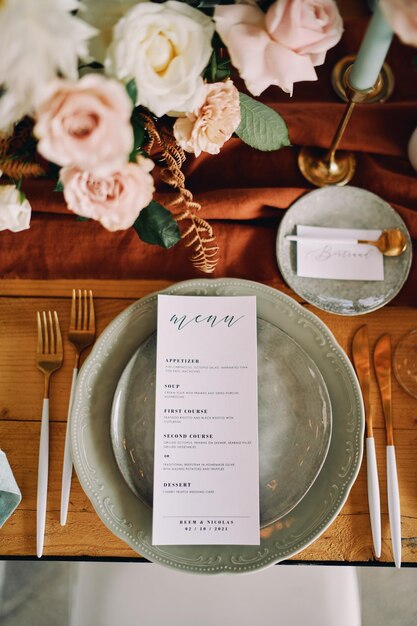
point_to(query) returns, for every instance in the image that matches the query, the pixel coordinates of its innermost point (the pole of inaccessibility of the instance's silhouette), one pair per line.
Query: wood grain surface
(348, 539)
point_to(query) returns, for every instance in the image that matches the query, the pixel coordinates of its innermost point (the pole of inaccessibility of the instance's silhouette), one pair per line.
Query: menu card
(324, 255)
(206, 469)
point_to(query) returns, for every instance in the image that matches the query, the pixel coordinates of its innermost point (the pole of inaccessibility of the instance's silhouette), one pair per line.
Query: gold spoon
(391, 242)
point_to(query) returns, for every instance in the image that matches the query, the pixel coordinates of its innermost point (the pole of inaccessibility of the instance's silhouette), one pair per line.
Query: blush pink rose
(209, 126)
(116, 200)
(86, 124)
(401, 15)
(282, 46)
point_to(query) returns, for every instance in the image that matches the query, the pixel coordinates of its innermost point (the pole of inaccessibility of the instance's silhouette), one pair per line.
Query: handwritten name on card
(321, 257)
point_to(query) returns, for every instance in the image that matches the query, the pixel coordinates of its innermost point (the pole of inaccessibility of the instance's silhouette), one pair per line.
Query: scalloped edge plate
(130, 520)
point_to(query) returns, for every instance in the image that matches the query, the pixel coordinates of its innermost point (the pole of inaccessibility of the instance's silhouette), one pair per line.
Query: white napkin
(10, 495)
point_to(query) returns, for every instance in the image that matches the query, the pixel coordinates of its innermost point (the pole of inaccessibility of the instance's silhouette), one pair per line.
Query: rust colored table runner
(243, 192)
(347, 540)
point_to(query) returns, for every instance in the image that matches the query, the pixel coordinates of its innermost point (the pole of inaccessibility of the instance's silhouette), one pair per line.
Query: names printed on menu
(206, 424)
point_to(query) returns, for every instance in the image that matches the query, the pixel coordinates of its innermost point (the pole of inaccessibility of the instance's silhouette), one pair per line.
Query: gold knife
(382, 362)
(362, 362)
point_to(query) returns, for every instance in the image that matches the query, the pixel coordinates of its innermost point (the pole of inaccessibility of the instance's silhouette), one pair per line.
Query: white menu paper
(206, 468)
(319, 258)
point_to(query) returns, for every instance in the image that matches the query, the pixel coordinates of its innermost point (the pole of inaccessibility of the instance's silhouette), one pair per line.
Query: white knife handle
(373, 495)
(42, 478)
(67, 466)
(394, 505)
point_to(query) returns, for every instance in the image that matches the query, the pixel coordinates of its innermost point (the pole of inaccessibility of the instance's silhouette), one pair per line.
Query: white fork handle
(67, 467)
(43, 464)
(394, 505)
(373, 495)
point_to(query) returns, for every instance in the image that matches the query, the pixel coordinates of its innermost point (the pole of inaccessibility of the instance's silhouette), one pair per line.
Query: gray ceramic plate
(342, 207)
(294, 422)
(130, 519)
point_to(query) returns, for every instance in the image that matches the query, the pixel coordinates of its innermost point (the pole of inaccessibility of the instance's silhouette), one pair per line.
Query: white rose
(164, 47)
(14, 214)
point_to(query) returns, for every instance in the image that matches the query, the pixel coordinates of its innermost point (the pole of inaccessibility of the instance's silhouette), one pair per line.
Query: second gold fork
(81, 334)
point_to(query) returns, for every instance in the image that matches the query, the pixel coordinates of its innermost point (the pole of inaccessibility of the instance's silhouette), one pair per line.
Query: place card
(206, 467)
(327, 259)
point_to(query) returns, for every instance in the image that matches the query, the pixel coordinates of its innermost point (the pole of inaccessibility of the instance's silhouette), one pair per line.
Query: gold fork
(49, 358)
(81, 334)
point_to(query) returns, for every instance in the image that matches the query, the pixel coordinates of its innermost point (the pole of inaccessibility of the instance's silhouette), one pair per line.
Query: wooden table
(347, 540)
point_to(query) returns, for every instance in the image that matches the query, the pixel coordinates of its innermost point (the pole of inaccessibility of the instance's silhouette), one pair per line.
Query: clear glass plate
(405, 362)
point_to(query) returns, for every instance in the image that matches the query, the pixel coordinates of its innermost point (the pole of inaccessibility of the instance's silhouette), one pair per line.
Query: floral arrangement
(98, 95)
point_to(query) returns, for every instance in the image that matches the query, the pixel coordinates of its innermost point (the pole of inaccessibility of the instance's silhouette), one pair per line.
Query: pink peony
(209, 126)
(116, 200)
(86, 124)
(282, 46)
(401, 15)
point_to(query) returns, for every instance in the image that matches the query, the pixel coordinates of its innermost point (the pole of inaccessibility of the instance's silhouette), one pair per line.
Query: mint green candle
(372, 53)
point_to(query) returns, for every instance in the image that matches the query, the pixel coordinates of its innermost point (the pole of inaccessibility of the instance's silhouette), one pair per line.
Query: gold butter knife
(362, 363)
(382, 362)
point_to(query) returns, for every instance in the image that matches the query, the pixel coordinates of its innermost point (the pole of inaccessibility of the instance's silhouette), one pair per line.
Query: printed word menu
(206, 472)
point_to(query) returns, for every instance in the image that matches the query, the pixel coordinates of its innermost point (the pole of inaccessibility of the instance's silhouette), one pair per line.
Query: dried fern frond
(198, 235)
(199, 232)
(18, 169)
(18, 152)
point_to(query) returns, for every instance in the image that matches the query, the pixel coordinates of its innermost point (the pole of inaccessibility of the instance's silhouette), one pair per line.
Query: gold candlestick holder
(381, 91)
(329, 167)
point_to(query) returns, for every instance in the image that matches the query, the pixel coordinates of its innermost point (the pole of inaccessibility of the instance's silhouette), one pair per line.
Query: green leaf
(80, 218)
(59, 186)
(94, 65)
(218, 68)
(132, 90)
(18, 184)
(139, 135)
(156, 225)
(261, 127)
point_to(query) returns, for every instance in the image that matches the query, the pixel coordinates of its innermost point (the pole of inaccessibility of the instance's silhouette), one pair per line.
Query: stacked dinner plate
(310, 429)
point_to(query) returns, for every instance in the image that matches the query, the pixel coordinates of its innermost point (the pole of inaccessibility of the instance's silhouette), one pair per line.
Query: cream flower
(282, 46)
(401, 15)
(14, 214)
(104, 15)
(164, 47)
(86, 123)
(115, 200)
(39, 39)
(208, 127)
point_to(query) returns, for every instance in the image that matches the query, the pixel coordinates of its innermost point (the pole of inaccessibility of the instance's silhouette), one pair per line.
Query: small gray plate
(342, 207)
(294, 422)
